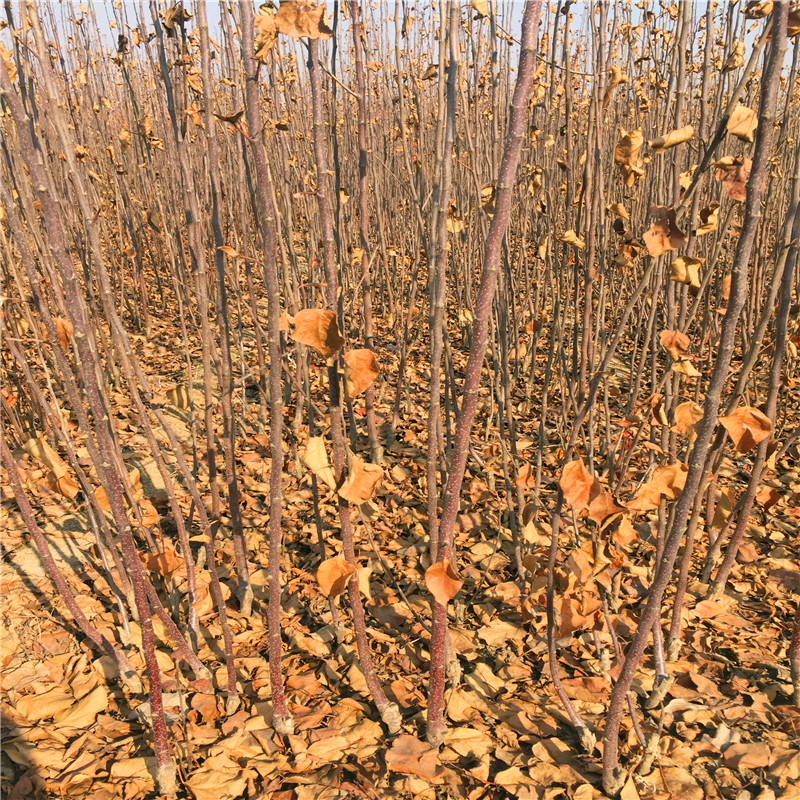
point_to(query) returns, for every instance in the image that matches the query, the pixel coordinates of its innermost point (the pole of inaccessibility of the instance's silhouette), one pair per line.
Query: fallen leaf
(410, 756)
(579, 487)
(333, 575)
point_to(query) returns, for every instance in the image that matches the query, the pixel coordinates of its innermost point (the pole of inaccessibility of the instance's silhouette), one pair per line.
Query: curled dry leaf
(667, 140)
(733, 172)
(361, 482)
(317, 328)
(747, 427)
(616, 78)
(333, 575)
(442, 582)
(316, 459)
(618, 209)
(676, 343)
(742, 122)
(687, 418)
(481, 8)
(265, 35)
(663, 234)
(360, 369)
(709, 219)
(410, 756)
(684, 366)
(302, 20)
(626, 155)
(667, 481)
(570, 237)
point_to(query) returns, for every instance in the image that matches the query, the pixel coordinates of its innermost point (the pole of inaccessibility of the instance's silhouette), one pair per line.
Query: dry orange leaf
(687, 418)
(442, 582)
(626, 155)
(733, 172)
(685, 269)
(360, 369)
(265, 35)
(663, 234)
(603, 506)
(316, 459)
(747, 427)
(165, 564)
(662, 143)
(333, 575)
(361, 482)
(668, 481)
(302, 20)
(676, 343)
(684, 366)
(579, 487)
(742, 122)
(410, 756)
(618, 209)
(709, 219)
(317, 328)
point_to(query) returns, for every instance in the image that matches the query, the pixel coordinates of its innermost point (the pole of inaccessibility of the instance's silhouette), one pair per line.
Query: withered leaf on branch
(747, 427)
(317, 328)
(742, 122)
(733, 172)
(333, 575)
(667, 140)
(663, 234)
(626, 156)
(360, 370)
(303, 20)
(685, 269)
(316, 459)
(361, 482)
(442, 582)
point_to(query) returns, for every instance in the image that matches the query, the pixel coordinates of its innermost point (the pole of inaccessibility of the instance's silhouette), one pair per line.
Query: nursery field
(400, 400)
